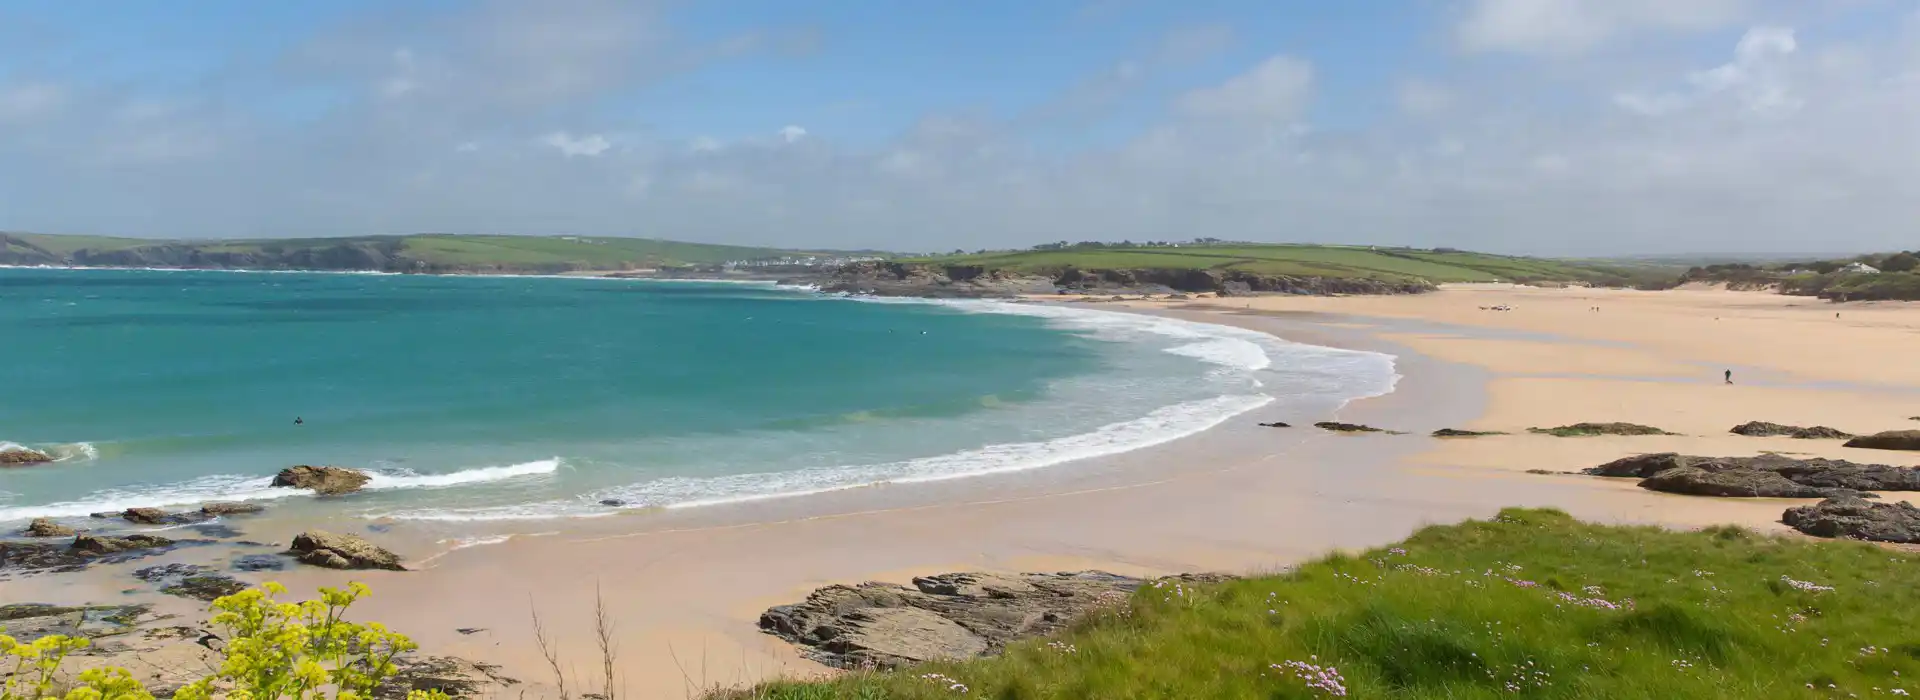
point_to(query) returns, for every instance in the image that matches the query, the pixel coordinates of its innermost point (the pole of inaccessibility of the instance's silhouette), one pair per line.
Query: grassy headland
(1439, 265)
(1529, 604)
(422, 253)
(1893, 276)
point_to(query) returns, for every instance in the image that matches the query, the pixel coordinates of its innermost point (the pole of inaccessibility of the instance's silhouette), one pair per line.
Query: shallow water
(512, 398)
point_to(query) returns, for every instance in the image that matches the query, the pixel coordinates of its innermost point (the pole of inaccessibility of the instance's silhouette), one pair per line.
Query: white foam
(409, 480)
(1228, 352)
(228, 487)
(1163, 425)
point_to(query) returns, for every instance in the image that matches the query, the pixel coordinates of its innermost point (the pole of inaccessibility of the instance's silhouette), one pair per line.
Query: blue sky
(1553, 126)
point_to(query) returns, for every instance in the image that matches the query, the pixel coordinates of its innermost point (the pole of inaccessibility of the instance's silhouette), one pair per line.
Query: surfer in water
(298, 421)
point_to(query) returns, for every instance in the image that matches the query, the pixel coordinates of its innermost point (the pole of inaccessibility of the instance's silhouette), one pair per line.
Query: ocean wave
(1162, 425)
(228, 487)
(59, 451)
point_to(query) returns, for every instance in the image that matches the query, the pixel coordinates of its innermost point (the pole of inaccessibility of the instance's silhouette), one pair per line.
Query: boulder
(145, 516)
(1889, 440)
(100, 544)
(326, 481)
(1747, 483)
(1755, 476)
(1592, 429)
(1855, 518)
(1339, 427)
(228, 508)
(21, 457)
(1765, 429)
(46, 527)
(945, 617)
(336, 551)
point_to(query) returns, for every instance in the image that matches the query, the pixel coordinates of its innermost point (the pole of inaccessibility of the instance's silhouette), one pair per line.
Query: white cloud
(791, 133)
(1575, 26)
(1424, 99)
(1756, 78)
(1275, 90)
(30, 101)
(591, 145)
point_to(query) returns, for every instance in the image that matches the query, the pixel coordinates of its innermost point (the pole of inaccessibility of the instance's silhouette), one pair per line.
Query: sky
(1563, 127)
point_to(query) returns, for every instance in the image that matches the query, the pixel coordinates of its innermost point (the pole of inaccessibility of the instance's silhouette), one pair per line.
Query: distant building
(1860, 268)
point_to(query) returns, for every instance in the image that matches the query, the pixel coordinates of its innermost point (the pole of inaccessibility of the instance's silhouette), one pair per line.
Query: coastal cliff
(884, 278)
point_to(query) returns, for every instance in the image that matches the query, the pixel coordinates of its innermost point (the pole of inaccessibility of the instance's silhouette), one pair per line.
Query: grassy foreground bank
(1530, 604)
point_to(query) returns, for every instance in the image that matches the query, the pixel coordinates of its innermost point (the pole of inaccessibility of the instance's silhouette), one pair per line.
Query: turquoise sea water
(505, 398)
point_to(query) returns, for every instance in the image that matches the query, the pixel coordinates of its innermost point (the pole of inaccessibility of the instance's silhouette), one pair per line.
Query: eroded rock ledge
(949, 616)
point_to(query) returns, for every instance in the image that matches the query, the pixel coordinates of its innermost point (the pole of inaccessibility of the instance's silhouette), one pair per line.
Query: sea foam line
(228, 487)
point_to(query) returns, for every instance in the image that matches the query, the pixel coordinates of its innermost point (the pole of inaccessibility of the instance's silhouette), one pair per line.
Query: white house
(1860, 268)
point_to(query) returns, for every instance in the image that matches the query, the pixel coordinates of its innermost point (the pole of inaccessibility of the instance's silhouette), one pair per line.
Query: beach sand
(685, 587)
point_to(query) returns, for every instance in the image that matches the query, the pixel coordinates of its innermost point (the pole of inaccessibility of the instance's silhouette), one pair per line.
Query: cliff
(936, 280)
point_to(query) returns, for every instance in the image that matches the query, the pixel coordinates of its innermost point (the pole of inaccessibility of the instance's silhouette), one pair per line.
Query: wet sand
(684, 587)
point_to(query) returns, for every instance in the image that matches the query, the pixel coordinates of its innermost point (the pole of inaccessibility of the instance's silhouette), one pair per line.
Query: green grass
(1391, 264)
(1531, 604)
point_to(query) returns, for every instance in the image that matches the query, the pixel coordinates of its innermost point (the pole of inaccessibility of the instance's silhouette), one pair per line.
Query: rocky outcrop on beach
(23, 457)
(227, 508)
(1765, 429)
(1765, 476)
(325, 481)
(950, 616)
(1889, 440)
(102, 544)
(191, 581)
(1339, 427)
(337, 551)
(884, 278)
(1454, 432)
(1594, 429)
(1854, 518)
(46, 527)
(456, 677)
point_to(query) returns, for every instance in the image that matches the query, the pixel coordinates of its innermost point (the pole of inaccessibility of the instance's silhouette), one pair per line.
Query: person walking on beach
(1729, 376)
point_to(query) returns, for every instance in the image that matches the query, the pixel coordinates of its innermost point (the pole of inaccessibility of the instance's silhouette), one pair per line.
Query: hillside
(414, 253)
(1439, 265)
(1892, 276)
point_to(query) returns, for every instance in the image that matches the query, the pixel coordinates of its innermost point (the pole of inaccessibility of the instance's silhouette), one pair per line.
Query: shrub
(274, 650)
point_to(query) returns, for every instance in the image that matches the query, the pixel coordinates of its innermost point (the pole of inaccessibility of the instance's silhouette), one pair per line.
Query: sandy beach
(684, 587)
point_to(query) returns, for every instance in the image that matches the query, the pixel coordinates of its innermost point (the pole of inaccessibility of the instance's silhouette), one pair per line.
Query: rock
(46, 527)
(1765, 429)
(1275, 424)
(26, 622)
(613, 503)
(1451, 432)
(227, 508)
(191, 581)
(23, 457)
(335, 551)
(145, 516)
(458, 678)
(1591, 429)
(1747, 483)
(1737, 476)
(950, 616)
(259, 562)
(1347, 427)
(100, 544)
(1855, 518)
(326, 481)
(1542, 471)
(1888, 440)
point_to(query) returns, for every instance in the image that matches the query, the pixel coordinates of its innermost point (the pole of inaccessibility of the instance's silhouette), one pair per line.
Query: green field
(1531, 604)
(443, 250)
(1319, 261)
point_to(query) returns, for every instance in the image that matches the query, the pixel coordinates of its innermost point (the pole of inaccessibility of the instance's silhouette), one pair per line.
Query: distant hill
(1380, 263)
(1877, 277)
(431, 253)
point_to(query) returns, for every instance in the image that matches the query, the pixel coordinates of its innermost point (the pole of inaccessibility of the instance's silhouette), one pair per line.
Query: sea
(476, 399)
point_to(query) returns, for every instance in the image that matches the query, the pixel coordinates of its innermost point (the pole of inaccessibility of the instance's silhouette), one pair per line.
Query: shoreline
(687, 586)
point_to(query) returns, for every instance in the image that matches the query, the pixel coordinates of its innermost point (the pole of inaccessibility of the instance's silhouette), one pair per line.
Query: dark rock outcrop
(227, 508)
(1768, 475)
(259, 562)
(1339, 427)
(101, 544)
(1765, 429)
(950, 616)
(144, 516)
(1452, 432)
(1889, 440)
(26, 622)
(1592, 429)
(46, 527)
(337, 551)
(887, 278)
(326, 481)
(191, 581)
(1854, 518)
(456, 677)
(22, 457)
(1275, 424)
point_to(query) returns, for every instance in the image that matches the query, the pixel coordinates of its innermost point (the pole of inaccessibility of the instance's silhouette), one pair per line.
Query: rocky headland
(885, 278)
